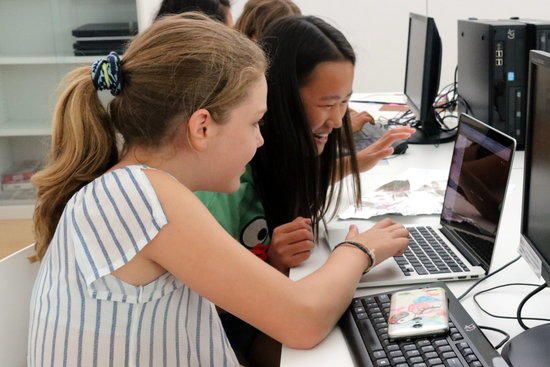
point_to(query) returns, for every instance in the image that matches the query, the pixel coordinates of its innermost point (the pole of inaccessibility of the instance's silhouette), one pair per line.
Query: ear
(201, 127)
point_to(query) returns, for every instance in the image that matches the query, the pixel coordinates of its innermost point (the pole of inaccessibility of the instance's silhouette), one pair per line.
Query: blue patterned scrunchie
(107, 74)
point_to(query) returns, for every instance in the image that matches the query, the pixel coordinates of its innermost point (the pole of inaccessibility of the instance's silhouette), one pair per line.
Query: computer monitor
(530, 348)
(535, 230)
(422, 79)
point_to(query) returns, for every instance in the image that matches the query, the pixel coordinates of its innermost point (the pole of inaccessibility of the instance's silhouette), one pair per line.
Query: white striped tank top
(81, 315)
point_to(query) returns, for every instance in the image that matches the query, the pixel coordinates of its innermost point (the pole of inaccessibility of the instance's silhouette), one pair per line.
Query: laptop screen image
(476, 187)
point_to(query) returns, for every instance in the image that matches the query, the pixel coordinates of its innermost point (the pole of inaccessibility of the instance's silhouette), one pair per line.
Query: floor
(15, 235)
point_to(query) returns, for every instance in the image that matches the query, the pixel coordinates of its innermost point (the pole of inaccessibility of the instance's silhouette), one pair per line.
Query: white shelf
(47, 60)
(25, 128)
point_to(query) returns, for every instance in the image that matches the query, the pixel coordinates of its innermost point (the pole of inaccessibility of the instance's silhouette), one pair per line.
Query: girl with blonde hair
(132, 262)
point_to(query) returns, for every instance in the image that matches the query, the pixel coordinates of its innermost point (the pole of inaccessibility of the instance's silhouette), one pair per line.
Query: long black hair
(290, 177)
(210, 8)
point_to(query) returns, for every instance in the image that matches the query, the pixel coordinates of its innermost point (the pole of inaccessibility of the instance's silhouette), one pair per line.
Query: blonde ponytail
(180, 64)
(83, 148)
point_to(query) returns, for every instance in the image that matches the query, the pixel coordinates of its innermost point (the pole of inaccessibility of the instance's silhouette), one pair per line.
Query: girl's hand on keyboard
(386, 238)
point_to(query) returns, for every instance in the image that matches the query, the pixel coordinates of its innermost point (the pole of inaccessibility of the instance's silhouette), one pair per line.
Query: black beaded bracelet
(361, 247)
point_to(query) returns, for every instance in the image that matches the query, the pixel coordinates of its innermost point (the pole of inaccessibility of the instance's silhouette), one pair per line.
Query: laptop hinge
(457, 241)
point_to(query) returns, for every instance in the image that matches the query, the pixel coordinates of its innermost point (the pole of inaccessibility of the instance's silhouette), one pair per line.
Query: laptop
(462, 246)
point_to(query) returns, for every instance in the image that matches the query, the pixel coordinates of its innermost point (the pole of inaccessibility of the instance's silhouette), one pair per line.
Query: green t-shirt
(241, 214)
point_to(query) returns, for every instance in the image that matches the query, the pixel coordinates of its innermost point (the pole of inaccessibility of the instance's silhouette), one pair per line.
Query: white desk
(333, 351)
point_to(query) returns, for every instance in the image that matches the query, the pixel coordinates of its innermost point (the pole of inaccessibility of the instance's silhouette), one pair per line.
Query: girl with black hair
(293, 179)
(216, 9)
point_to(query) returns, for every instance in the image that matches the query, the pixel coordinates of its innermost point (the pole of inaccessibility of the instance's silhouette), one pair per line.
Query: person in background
(258, 15)
(216, 9)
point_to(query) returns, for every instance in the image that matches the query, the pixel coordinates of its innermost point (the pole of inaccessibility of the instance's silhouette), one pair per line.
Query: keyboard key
(423, 343)
(456, 336)
(462, 345)
(427, 349)
(467, 351)
(383, 298)
(362, 316)
(440, 342)
(356, 303)
(414, 360)
(379, 354)
(421, 271)
(398, 360)
(447, 355)
(470, 358)
(420, 365)
(434, 361)
(382, 362)
(369, 299)
(359, 309)
(476, 364)
(408, 347)
(431, 355)
(453, 362)
(392, 347)
(402, 365)
(444, 349)
(396, 353)
(453, 330)
(412, 353)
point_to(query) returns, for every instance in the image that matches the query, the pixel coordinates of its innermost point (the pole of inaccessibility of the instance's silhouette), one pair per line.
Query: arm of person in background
(359, 119)
(380, 149)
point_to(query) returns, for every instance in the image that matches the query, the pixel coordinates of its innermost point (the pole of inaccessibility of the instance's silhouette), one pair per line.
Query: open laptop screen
(478, 177)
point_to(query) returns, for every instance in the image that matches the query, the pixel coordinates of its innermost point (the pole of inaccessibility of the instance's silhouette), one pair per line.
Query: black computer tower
(492, 73)
(538, 34)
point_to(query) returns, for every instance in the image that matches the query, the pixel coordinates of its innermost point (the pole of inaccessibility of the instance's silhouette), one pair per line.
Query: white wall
(377, 29)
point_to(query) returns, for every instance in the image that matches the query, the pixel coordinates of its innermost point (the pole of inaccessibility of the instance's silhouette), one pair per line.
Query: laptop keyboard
(428, 254)
(448, 350)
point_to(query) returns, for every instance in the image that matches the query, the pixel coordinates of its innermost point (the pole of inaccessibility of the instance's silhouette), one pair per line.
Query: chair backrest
(17, 277)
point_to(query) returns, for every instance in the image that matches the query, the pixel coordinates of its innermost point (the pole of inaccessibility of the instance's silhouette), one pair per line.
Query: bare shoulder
(176, 199)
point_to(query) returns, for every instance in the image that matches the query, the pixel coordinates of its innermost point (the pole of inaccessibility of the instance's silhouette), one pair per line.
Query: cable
(487, 277)
(505, 316)
(506, 335)
(524, 301)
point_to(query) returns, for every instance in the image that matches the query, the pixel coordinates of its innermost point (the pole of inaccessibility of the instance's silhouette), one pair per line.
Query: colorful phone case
(418, 312)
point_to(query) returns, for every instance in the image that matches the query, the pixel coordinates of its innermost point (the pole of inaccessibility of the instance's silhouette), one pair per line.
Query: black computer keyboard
(428, 254)
(366, 330)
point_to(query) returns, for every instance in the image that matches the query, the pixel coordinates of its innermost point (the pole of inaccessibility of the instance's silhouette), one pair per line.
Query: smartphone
(418, 312)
